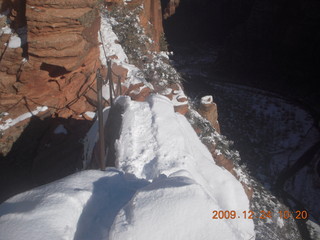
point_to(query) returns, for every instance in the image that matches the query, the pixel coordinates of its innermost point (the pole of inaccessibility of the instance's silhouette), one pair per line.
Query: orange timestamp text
(226, 214)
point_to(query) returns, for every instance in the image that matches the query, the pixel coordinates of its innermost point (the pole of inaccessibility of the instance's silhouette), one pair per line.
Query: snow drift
(166, 187)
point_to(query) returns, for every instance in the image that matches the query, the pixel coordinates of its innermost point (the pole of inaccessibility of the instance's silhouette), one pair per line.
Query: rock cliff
(53, 70)
(57, 64)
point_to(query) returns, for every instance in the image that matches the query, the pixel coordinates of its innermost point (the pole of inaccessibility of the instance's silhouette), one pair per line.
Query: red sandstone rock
(152, 13)
(183, 109)
(171, 8)
(71, 90)
(119, 71)
(80, 106)
(138, 92)
(6, 83)
(60, 35)
(208, 110)
(65, 113)
(222, 161)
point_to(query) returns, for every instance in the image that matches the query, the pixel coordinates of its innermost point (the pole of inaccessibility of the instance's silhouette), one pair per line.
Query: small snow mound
(90, 114)
(178, 95)
(207, 99)
(14, 42)
(60, 129)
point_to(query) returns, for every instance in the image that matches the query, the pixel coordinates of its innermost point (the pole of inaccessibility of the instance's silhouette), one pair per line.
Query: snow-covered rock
(166, 187)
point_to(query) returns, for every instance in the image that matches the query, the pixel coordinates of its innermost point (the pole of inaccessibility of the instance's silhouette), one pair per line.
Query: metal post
(100, 120)
(109, 78)
(119, 85)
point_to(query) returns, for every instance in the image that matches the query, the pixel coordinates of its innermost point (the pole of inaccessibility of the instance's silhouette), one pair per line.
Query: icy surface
(166, 187)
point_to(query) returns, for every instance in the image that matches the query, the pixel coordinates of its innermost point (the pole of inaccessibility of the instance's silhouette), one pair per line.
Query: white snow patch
(60, 129)
(90, 114)
(218, 152)
(110, 46)
(207, 99)
(11, 122)
(280, 222)
(179, 94)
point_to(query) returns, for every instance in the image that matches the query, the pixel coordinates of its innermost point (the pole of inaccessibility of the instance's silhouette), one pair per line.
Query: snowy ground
(166, 187)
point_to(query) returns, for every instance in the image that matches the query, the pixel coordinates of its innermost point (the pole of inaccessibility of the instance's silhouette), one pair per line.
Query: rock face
(206, 131)
(61, 33)
(170, 8)
(62, 51)
(208, 110)
(63, 57)
(152, 13)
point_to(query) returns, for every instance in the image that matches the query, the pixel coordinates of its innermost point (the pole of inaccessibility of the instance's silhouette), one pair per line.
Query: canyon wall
(55, 66)
(49, 54)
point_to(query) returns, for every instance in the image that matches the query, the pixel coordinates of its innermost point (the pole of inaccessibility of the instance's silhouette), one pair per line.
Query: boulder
(208, 110)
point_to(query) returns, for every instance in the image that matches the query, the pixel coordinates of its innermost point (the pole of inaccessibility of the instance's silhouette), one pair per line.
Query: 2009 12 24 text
(232, 214)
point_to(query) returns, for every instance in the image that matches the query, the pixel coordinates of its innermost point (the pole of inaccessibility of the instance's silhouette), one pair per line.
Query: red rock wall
(62, 51)
(152, 13)
(63, 55)
(171, 8)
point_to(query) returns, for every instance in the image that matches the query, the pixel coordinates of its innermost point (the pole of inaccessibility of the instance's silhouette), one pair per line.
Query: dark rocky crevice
(42, 154)
(53, 70)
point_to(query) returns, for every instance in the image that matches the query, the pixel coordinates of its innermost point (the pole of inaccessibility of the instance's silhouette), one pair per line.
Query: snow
(111, 46)
(90, 114)
(11, 122)
(280, 222)
(14, 42)
(179, 94)
(111, 49)
(6, 30)
(207, 99)
(60, 129)
(314, 229)
(166, 187)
